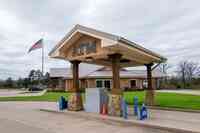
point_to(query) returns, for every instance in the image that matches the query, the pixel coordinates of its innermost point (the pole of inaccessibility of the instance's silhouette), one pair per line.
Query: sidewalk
(173, 121)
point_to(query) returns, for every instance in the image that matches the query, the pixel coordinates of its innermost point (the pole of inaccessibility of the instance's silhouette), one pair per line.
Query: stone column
(75, 100)
(149, 98)
(114, 106)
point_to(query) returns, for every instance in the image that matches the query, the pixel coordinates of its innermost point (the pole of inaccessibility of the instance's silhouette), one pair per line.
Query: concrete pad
(172, 121)
(23, 117)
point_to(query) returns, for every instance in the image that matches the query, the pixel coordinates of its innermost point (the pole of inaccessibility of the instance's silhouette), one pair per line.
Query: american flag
(37, 45)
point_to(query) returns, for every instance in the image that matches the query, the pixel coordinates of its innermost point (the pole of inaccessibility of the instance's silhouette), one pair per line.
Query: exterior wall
(140, 83)
(124, 82)
(154, 84)
(83, 83)
(91, 83)
(57, 84)
(68, 84)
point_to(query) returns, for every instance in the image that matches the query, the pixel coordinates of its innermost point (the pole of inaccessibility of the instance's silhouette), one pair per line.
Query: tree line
(186, 75)
(35, 77)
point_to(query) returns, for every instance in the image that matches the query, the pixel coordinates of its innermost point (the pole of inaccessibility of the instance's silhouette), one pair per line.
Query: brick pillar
(114, 106)
(75, 100)
(149, 98)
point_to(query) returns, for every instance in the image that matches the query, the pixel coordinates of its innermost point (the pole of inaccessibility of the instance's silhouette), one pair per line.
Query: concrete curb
(118, 120)
(173, 109)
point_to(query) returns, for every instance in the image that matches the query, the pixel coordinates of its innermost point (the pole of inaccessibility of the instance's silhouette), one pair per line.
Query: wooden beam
(131, 55)
(75, 72)
(75, 102)
(155, 66)
(149, 99)
(115, 59)
(149, 76)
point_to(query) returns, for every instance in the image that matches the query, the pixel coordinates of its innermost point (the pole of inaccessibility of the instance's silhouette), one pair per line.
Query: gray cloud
(170, 28)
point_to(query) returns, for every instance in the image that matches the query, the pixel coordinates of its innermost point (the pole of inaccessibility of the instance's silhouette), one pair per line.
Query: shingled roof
(94, 71)
(113, 39)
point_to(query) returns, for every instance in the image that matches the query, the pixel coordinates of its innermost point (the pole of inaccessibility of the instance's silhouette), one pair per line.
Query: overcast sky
(169, 27)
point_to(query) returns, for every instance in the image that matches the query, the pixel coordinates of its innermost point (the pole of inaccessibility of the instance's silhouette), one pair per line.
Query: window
(132, 83)
(107, 84)
(103, 83)
(99, 83)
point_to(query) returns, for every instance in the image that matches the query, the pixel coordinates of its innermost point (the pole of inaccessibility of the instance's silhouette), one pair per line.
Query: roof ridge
(91, 72)
(108, 36)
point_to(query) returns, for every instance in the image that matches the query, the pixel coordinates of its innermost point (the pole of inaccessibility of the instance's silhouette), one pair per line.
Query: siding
(124, 83)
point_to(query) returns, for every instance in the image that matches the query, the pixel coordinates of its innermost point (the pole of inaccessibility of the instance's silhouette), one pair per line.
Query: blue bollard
(143, 112)
(62, 103)
(124, 109)
(135, 106)
(66, 104)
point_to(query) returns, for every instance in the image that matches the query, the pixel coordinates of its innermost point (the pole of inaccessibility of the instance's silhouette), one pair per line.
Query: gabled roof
(126, 74)
(84, 70)
(94, 71)
(114, 38)
(80, 28)
(60, 72)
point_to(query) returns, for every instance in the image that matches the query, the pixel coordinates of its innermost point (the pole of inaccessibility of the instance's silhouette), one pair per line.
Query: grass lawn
(172, 100)
(49, 96)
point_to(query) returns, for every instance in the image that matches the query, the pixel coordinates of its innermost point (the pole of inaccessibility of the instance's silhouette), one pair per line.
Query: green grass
(175, 100)
(130, 95)
(171, 100)
(49, 96)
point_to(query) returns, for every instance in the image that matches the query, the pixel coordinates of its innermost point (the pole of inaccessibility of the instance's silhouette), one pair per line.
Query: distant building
(92, 76)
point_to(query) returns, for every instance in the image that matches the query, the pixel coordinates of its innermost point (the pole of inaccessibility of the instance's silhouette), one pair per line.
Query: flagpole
(38, 45)
(42, 59)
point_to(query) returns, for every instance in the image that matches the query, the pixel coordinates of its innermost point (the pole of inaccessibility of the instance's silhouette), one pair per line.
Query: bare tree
(193, 70)
(187, 70)
(182, 71)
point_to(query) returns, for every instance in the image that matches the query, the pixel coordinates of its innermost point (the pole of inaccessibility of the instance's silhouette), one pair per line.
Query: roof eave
(161, 59)
(63, 39)
(132, 44)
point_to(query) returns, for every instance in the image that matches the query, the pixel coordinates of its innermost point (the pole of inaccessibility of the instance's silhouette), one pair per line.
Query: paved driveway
(25, 118)
(14, 93)
(183, 91)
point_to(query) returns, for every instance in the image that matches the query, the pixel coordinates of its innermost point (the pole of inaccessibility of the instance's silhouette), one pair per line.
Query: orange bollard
(104, 112)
